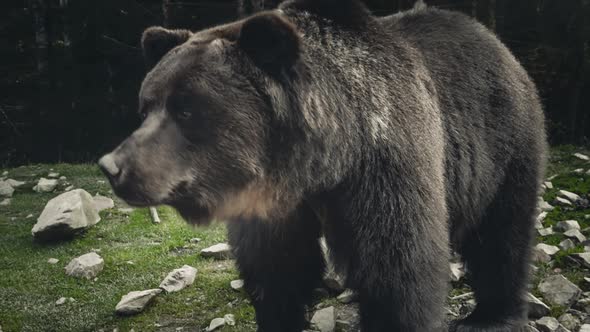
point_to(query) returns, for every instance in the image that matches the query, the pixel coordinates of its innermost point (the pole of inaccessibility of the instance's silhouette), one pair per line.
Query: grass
(29, 286)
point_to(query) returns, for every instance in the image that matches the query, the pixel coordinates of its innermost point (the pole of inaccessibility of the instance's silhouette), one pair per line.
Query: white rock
(585, 328)
(563, 201)
(544, 206)
(68, 188)
(65, 214)
(582, 156)
(584, 258)
(570, 196)
(53, 175)
(547, 324)
(86, 266)
(541, 216)
(45, 185)
(29, 216)
(6, 202)
(15, 183)
(539, 256)
(537, 308)
(229, 319)
(567, 225)
(6, 189)
(103, 203)
(179, 279)
(135, 302)
(548, 184)
(578, 170)
(566, 244)
(62, 178)
(218, 251)
(548, 249)
(559, 291)
(53, 261)
(457, 271)
(569, 321)
(347, 296)
(215, 324)
(61, 301)
(545, 231)
(5, 173)
(575, 234)
(237, 284)
(324, 319)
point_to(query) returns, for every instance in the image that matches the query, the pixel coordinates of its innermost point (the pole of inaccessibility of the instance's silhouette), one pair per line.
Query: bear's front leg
(399, 257)
(281, 263)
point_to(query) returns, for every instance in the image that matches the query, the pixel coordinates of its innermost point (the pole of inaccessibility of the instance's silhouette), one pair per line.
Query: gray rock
(103, 203)
(563, 201)
(65, 214)
(136, 302)
(229, 320)
(45, 185)
(53, 261)
(324, 319)
(570, 321)
(566, 244)
(6, 202)
(215, 324)
(548, 184)
(15, 183)
(559, 291)
(581, 156)
(570, 196)
(68, 188)
(53, 175)
(457, 271)
(86, 266)
(585, 328)
(548, 249)
(544, 206)
(218, 251)
(528, 328)
(61, 301)
(237, 285)
(583, 258)
(347, 296)
(179, 279)
(6, 189)
(566, 225)
(537, 308)
(343, 325)
(545, 231)
(575, 234)
(547, 324)
(539, 256)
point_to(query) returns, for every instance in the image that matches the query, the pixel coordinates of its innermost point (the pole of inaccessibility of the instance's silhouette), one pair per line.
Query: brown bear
(399, 139)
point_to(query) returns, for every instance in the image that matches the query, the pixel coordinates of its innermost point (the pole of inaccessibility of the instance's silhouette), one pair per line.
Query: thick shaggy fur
(399, 139)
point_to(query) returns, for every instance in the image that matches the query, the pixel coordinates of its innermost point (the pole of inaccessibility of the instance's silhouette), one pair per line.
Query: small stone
(237, 284)
(582, 156)
(348, 296)
(229, 320)
(566, 225)
(218, 251)
(61, 301)
(544, 206)
(86, 266)
(179, 279)
(215, 324)
(563, 201)
(548, 249)
(547, 324)
(6, 189)
(570, 196)
(5, 173)
(575, 234)
(559, 291)
(45, 185)
(103, 203)
(29, 216)
(53, 175)
(541, 217)
(585, 328)
(126, 210)
(569, 321)
(539, 256)
(69, 188)
(584, 258)
(343, 325)
(195, 240)
(578, 171)
(62, 178)
(566, 244)
(15, 183)
(6, 202)
(545, 231)
(53, 261)
(135, 302)
(548, 184)
(324, 319)
(537, 308)
(457, 271)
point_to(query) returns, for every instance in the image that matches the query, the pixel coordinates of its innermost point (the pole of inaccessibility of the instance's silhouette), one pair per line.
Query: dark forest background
(70, 70)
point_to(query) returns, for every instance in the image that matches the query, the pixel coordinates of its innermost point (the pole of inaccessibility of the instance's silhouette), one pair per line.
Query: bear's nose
(109, 167)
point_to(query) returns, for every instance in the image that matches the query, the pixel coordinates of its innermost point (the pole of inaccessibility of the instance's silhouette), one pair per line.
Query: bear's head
(211, 131)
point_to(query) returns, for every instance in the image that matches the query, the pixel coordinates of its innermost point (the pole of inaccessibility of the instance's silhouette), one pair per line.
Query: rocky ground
(115, 269)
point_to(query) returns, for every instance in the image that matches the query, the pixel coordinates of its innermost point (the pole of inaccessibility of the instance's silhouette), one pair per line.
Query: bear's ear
(271, 41)
(157, 41)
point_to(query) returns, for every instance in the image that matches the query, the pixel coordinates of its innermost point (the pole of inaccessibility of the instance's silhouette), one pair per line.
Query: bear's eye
(184, 115)
(142, 115)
